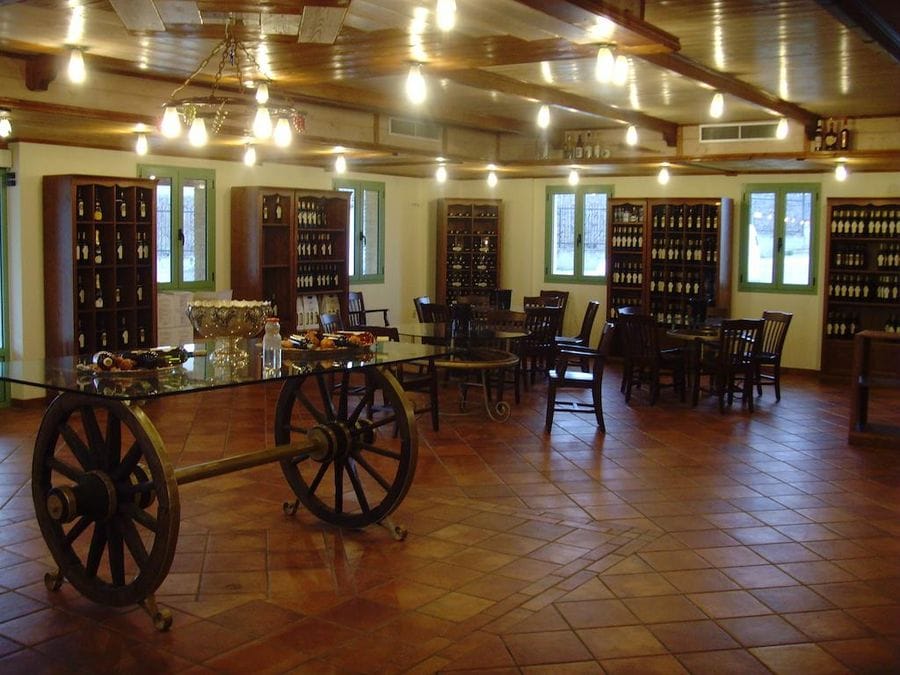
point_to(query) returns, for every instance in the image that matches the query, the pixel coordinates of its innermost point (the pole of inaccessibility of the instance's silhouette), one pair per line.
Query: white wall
(410, 233)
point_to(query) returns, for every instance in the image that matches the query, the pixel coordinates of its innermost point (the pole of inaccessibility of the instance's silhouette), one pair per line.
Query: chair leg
(757, 374)
(597, 396)
(776, 373)
(551, 404)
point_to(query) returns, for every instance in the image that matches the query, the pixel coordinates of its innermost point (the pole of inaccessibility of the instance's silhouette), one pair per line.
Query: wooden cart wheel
(105, 497)
(359, 467)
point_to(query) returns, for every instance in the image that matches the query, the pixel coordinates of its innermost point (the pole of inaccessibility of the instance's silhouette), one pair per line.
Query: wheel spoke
(116, 554)
(133, 541)
(139, 515)
(325, 395)
(67, 470)
(296, 459)
(360, 406)
(358, 488)
(338, 487)
(310, 408)
(320, 474)
(137, 488)
(372, 472)
(344, 393)
(298, 430)
(98, 543)
(92, 429)
(374, 449)
(113, 441)
(76, 530)
(79, 449)
(126, 466)
(382, 421)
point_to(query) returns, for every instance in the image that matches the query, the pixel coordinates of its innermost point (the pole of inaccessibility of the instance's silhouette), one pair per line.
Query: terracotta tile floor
(681, 541)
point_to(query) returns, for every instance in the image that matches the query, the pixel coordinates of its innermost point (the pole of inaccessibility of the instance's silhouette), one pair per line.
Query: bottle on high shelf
(142, 206)
(120, 250)
(831, 136)
(818, 143)
(844, 136)
(579, 148)
(588, 147)
(98, 249)
(139, 288)
(123, 207)
(265, 212)
(98, 212)
(278, 211)
(98, 292)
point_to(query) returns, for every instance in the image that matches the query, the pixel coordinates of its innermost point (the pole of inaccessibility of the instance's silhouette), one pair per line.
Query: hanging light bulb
(282, 134)
(620, 70)
(492, 179)
(416, 89)
(340, 164)
(781, 131)
(606, 64)
(573, 177)
(446, 14)
(717, 105)
(141, 146)
(250, 155)
(840, 172)
(197, 135)
(5, 124)
(631, 135)
(262, 93)
(663, 175)
(543, 118)
(440, 175)
(76, 70)
(262, 123)
(171, 123)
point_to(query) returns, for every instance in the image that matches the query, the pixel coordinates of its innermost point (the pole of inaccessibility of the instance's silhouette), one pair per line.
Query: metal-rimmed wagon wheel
(362, 454)
(106, 501)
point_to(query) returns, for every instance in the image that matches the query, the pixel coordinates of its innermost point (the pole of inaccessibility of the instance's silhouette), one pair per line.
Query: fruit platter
(341, 344)
(135, 363)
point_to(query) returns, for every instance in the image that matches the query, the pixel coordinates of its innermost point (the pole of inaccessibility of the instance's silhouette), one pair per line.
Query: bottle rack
(468, 255)
(290, 247)
(668, 256)
(100, 264)
(863, 282)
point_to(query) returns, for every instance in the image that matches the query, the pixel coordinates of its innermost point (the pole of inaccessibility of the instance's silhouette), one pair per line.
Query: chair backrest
(775, 328)
(532, 301)
(505, 319)
(390, 332)
(418, 302)
(587, 323)
(562, 298)
(739, 340)
(501, 298)
(433, 312)
(640, 335)
(541, 324)
(606, 338)
(474, 300)
(330, 323)
(356, 308)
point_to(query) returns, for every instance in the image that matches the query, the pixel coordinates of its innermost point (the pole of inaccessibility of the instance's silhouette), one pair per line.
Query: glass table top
(202, 371)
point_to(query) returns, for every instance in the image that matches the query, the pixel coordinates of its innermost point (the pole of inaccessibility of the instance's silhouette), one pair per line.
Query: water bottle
(271, 348)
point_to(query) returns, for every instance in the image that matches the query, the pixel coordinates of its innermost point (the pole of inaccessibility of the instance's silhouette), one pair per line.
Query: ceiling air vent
(414, 129)
(745, 131)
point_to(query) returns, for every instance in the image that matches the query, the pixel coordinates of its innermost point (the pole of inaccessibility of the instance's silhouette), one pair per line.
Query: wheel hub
(93, 496)
(331, 441)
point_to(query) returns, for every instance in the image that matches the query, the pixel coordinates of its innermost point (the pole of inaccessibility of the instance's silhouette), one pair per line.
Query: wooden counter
(862, 432)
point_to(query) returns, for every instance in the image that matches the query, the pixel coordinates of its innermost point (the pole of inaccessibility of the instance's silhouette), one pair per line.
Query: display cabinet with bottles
(99, 264)
(862, 282)
(670, 257)
(468, 248)
(289, 246)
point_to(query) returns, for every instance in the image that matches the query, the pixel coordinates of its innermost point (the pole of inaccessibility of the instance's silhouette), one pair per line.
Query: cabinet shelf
(468, 248)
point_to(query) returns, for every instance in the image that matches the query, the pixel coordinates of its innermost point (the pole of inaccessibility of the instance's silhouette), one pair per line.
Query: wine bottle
(123, 207)
(98, 292)
(278, 211)
(143, 207)
(831, 137)
(120, 250)
(817, 140)
(844, 139)
(98, 249)
(98, 212)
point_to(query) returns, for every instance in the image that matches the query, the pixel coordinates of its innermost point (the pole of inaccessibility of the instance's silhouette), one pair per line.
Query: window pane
(797, 237)
(351, 231)
(164, 231)
(761, 238)
(194, 225)
(595, 234)
(369, 228)
(562, 244)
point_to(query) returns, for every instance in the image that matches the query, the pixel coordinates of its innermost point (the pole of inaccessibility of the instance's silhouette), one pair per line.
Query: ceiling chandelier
(201, 115)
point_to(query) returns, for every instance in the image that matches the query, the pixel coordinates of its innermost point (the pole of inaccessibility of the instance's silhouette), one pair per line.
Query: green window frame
(185, 227)
(779, 237)
(575, 240)
(4, 298)
(365, 262)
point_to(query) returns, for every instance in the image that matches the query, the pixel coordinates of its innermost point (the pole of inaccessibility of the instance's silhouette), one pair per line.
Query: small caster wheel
(290, 509)
(53, 581)
(162, 620)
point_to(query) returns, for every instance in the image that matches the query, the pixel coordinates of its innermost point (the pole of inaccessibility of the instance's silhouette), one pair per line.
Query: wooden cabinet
(289, 246)
(862, 282)
(669, 256)
(99, 264)
(468, 248)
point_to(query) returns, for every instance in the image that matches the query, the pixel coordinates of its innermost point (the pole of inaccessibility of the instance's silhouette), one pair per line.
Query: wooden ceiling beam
(872, 18)
(727, 84)
(551, 96)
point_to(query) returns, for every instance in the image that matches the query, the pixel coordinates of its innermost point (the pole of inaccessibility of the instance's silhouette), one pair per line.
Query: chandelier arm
(199, 69)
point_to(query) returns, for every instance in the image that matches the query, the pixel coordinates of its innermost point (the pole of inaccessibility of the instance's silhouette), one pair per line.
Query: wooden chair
(562, 301)
(536, 301)
(584, 335)
(357, 312)
(418, 302)
(625, 310)
(501, 298)
(731, 364)
(536, 350)
(513, 322)
(473, 300)
(563, 378)
(645, 361)
(415, 376)
(768, 359)
(330, 323)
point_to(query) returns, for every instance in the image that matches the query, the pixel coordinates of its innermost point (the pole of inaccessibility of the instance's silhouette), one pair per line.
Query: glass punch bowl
(229, 323)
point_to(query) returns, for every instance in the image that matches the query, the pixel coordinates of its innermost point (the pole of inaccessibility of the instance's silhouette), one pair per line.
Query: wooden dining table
(694, 339)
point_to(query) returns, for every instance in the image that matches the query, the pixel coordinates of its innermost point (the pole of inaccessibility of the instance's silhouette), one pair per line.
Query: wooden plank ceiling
(486, 77)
